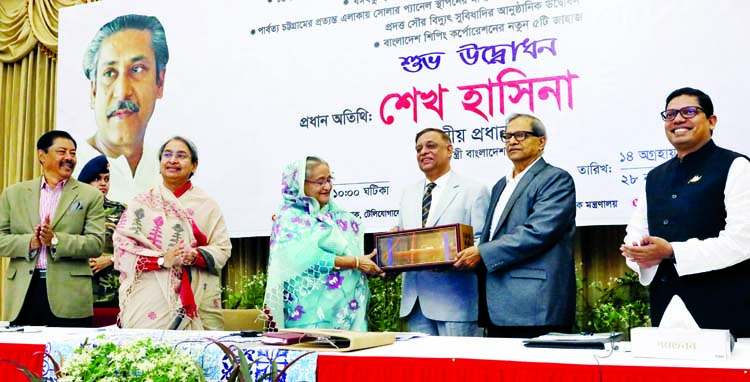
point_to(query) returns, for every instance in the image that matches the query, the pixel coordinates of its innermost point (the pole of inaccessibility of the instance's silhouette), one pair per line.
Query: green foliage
(621, 304)
(111, 281)
(109, 286)
(382, 310)
(385, 302)
(140, 361)
(248, 294)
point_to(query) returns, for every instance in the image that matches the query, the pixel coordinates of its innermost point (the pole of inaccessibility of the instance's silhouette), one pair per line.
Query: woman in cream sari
(170, 246)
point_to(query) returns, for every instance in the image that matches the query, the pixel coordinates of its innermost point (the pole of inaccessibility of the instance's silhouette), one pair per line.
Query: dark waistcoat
(686, 200)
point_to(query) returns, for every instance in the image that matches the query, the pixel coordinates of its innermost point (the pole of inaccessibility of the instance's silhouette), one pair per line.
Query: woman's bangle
(356, 262)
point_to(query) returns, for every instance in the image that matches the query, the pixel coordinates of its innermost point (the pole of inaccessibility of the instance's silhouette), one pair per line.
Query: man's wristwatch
(53, 242)
(160, 262)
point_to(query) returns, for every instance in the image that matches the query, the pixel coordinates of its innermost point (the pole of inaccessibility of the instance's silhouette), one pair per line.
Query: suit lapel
(451, 190)
(69, 194)
(520, 188)
(32, 212)
(487, 235)
(413, 214)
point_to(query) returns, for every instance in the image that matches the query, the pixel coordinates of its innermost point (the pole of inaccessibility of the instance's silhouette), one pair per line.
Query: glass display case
(429, 247)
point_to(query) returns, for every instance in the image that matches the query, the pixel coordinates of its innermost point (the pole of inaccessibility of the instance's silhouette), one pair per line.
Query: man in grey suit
(525, 257)
(441, 302)
(49, 228)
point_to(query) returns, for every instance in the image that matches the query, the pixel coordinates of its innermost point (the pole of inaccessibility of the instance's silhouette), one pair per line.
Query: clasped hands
(647, 252)
(101, 262)
(178, 255)
(43, 235)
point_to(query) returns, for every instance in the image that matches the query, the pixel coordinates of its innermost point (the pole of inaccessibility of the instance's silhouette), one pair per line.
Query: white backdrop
(245, 77)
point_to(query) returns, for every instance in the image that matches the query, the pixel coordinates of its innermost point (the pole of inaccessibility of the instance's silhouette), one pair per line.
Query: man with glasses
(690, 234)
(441, 302)
(525, 257)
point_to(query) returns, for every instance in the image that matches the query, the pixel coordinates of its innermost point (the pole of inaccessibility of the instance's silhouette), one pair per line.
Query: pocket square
(77, 206)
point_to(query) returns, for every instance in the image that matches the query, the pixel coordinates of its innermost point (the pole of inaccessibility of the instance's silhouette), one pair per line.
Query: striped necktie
(426, 201)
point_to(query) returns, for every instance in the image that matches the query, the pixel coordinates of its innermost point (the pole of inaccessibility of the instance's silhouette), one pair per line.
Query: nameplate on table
(696, 344)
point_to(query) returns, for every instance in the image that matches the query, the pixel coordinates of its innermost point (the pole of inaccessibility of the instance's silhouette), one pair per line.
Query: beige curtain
(28, 52)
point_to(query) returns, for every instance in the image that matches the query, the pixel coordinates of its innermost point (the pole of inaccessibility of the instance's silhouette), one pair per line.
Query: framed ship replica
(422, 248)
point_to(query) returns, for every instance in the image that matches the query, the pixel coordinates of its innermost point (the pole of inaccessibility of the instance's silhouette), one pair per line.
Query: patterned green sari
(302, 281)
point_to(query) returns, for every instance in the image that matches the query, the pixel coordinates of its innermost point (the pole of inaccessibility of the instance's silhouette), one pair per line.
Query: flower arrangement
(144, 361)
(137, 361)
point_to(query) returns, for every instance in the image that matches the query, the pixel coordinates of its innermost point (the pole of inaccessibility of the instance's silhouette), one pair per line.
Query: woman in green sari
(316, 275)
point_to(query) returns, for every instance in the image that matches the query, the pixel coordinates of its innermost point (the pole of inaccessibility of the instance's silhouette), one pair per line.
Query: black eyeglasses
(321, 183)
(519, 135)
(686, 112)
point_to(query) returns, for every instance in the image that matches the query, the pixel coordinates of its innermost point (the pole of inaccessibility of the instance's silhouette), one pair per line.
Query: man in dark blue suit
(525, 257)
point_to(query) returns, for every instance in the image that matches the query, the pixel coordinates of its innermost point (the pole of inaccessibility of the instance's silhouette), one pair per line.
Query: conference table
(438, 359)
(433, 359)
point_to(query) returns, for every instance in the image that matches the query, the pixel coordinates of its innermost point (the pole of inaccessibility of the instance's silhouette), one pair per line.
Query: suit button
(674, 196)
(31, 271)
(666, 221)
(664, 279)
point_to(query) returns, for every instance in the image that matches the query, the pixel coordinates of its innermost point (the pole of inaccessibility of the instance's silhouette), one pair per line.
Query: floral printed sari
(302, 280)
(179, 297)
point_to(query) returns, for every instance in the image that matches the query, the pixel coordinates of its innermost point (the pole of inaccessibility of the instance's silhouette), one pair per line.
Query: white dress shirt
(437, 191)
(510, 186)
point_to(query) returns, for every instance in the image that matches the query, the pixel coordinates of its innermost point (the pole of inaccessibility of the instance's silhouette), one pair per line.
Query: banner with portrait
(258, 84)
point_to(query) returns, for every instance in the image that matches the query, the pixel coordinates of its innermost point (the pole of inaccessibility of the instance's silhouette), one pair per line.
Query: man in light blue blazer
(525, 257)
(441, 302)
